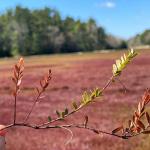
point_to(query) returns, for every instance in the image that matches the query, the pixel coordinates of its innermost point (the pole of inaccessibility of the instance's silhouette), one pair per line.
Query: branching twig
(79, 108)
(136, 125)
(44, 84)
(108, 83)
(17, 77)
(124, 87)
(81, 126)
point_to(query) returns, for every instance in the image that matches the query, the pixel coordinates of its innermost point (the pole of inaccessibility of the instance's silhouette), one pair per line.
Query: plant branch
(15, 107)
(79, 108)
(44, 84)
(108, 83)
(81, 126)
(32, 107)
(17, 78)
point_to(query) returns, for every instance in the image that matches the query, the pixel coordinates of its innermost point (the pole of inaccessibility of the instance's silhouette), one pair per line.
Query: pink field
(73, 74)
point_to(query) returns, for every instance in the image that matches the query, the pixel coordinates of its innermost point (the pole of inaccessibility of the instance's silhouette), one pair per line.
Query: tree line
(45, 31)
(140, 39)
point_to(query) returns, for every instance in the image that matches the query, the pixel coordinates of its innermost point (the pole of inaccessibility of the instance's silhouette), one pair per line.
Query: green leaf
(117, 129)
(66, 111)
(122, 62)
(49, 119)
(98, 92)
(58, 113)
(95, 93)
(74, 105)
(63, 114)
(86, 98)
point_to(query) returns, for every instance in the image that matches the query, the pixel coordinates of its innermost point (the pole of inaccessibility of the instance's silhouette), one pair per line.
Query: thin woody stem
(107, 84)
(79, 108)
(15, 96)
(43, 88)
(32, 107)
(16, 78)
(15, 107)
(81, 126)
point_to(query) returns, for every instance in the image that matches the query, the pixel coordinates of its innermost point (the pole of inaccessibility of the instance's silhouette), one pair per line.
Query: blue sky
(123, 18)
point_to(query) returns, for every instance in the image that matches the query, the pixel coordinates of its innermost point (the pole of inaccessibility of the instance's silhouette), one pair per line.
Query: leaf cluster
(18, 74)
(140, 122)
(87, 98)
(122, 62)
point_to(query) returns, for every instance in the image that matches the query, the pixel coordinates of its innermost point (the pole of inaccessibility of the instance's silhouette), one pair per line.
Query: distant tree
(115, 43)
(24, 20)
(102, 42)
(43, 31)
(140, 39)
(145, 37)
(123, 44)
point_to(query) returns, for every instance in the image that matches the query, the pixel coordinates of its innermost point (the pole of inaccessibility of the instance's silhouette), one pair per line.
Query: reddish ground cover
(71, 76)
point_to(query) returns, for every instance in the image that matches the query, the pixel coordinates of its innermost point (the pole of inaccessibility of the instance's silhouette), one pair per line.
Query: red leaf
(19, 82)
(21, 61)
(138, 129)
(46, 85)
(142, 114)
(146, 97)
(139, 107)
(86, 121)
(131, 124)
(15, 74)
(13, 79)
(16, 68)
(37, 90)
(147, 117)
(140, 124)
(14, 94)
(41, 83)
(146, 132)
(136, 114)
(117, 129)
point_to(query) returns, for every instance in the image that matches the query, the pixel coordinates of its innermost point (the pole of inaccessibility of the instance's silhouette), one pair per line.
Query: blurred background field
(79, 41)
(71, 75)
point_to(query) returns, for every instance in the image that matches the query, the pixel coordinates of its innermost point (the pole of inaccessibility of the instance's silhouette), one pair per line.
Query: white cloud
(107, 4)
